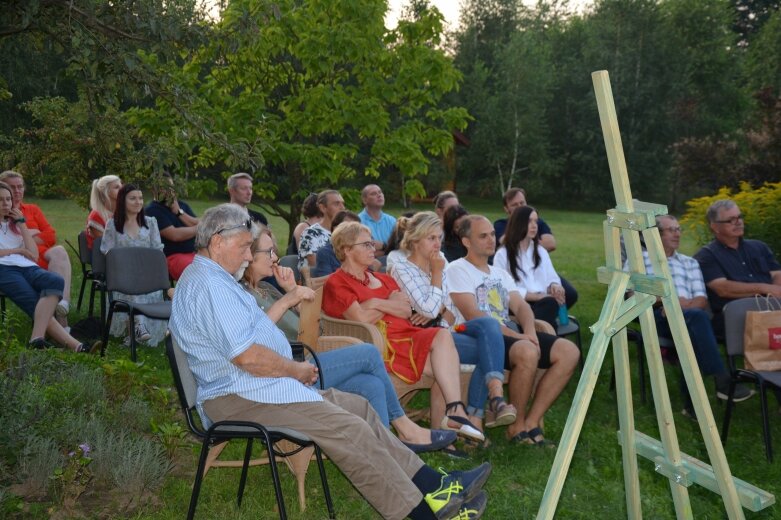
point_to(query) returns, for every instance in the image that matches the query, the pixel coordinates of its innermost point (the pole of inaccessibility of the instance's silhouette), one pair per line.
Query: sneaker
(472, 509)
(62, 309)
(85, 348)
(457, 488)
(142, 334)
(722, 390)
(39, 344)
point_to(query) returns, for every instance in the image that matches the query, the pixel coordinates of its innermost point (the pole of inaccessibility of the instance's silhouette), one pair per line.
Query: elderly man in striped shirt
(244, 370)
(689, 284)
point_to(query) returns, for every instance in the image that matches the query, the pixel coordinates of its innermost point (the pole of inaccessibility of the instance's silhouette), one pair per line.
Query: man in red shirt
(50, 256)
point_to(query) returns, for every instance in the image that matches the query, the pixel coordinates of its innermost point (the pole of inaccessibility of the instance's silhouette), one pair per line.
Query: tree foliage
(308, 95)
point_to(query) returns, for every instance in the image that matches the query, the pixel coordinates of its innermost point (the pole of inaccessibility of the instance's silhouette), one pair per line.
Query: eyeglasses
(672, 229)
(732, 220)
(366, 245)
(247, 224)
(271, 252)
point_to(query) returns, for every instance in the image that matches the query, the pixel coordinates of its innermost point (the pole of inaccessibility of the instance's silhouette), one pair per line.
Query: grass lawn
(594, 487)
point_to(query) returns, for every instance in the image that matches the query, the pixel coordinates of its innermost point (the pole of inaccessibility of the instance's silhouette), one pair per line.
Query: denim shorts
(26, 285)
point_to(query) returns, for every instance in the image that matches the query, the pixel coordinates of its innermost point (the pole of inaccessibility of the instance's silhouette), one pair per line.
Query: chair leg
(91, 309)
(326, 490)
(81, 291)
(765, 421)
(728, 412)
(106, 329)
(272, 462)
(244, 468)
(131, 320)
(198, 478)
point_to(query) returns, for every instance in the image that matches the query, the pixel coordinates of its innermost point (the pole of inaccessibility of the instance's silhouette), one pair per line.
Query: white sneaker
(142, 334)
(62, 309)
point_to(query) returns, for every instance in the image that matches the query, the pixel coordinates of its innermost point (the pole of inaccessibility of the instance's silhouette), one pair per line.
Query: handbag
(762, 336)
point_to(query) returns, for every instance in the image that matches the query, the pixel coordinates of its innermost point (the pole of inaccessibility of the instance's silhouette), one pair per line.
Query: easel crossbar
(638, 282)
(693, 471)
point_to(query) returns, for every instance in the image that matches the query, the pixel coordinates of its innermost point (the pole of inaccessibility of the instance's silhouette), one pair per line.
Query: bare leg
(437, 405)
(443, 363)
(44, 310)
(60, 263)
(564, 359)
(524, 357)
(58, 334)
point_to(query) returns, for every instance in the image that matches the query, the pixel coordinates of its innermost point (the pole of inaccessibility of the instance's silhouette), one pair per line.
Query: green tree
(294, 91)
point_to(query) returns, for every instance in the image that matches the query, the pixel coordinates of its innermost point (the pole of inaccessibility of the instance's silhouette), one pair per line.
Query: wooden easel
(629, 219)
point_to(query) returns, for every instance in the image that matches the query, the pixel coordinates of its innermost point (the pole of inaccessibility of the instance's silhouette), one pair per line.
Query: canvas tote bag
(762, 337)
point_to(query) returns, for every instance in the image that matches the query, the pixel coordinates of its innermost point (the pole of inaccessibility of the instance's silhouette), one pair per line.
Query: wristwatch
(180, 212)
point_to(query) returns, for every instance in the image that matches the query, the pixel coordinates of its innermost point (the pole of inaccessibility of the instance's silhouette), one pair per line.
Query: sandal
(502, 413)
(521, 438)
(536, 436)
(465, 427)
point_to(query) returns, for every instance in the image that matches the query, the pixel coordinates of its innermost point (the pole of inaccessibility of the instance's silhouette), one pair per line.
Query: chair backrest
(316, 282)
(136, 270)
(291, 261)
(98, 259)
(85, 254)
(735, 322)
(184, 381)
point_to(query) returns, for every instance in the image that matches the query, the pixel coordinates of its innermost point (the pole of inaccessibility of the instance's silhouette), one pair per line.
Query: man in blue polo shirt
(381, 224)
(244, 370)
(735, 267)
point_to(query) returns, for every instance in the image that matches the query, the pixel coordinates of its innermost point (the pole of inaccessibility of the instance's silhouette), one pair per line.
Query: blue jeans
(359, 369)
(26, 285)
(482, 345)
(704, 344)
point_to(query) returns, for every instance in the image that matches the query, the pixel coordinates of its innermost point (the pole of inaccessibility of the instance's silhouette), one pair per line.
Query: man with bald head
(381, 224)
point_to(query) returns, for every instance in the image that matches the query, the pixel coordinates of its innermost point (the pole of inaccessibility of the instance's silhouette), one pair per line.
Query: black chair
(226, 430)
(2, 307)
(572, 327)
(134, 271)
(734, 323)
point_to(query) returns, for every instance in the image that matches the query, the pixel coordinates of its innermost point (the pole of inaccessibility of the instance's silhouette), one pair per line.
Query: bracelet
(20, 220)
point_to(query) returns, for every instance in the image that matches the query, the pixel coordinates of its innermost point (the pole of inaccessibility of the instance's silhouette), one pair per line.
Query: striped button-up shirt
(214, 320)
(685, 272)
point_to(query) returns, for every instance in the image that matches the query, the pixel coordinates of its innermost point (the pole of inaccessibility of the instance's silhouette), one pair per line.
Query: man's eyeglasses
(366, 245)
(271, 252)
(672, 229)
(732, 220)
(247, 224)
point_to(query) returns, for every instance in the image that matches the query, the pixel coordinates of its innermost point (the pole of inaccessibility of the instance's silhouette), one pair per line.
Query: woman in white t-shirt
(36, 291)
(530, 265)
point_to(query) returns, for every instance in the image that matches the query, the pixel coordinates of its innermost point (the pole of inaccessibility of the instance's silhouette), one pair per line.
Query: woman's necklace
(365, 281)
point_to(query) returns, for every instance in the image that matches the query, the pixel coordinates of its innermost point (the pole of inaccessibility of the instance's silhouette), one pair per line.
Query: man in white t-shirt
(478, 289)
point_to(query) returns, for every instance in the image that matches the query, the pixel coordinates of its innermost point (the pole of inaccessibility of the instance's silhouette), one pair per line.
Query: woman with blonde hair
(102, 201)
(355, 293)
(421, 276)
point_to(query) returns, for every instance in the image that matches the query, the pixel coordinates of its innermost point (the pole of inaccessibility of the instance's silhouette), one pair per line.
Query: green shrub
(38, 461)
(760, 207)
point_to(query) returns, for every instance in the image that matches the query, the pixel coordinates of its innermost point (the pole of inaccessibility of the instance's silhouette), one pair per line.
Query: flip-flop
(537, 437)
(521, 438)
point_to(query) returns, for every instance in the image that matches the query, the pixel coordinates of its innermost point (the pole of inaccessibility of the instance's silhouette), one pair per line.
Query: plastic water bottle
(563, 316)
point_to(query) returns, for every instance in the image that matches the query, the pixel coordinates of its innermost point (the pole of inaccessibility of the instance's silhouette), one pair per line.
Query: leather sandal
(502, 413)
(465, 427)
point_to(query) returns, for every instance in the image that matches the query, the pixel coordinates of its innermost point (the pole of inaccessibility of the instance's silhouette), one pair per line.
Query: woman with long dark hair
(131, 228)
(530, 265)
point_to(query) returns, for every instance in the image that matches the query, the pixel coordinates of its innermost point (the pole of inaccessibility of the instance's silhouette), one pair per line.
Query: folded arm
(261, 361)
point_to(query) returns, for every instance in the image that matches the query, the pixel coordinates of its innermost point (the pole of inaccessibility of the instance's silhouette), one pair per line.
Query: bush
(760, 207)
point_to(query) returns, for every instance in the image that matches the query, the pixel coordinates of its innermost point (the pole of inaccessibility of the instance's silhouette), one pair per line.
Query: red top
(407, 346)
(36, 220)
(95, 222)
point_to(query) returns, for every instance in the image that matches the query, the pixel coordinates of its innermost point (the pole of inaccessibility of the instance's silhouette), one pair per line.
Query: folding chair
(85, 258)
(215, 437)
(98, 280)
(734, 323)
(134, 271)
